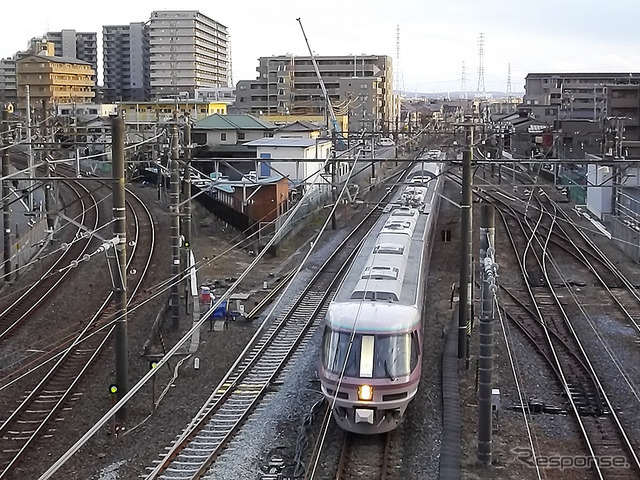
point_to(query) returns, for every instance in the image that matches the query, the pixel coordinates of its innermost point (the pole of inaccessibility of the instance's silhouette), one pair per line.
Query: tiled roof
(286, 142)
(233, 122)
(53, 59)
(300, 126)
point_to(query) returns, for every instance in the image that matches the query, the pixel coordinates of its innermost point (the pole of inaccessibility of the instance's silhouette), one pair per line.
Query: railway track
(195, 451)
(49, 400)
(547, 322)
(15, 313)
(365, 456)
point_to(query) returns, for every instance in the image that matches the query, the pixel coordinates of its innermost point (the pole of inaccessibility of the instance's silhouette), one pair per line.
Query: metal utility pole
(29, 148)
(49, 201)
(6, 211)
(120, 270)
(464, 305)
(334, 192)
(175, 228)
(485, 357)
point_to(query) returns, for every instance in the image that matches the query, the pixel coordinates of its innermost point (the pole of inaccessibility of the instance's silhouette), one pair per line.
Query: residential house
(294, 152)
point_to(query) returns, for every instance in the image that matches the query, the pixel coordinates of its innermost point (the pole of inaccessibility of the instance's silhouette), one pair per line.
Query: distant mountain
(457, 95)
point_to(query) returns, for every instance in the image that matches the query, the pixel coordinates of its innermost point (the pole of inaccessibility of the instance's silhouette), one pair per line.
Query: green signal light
(113, 389)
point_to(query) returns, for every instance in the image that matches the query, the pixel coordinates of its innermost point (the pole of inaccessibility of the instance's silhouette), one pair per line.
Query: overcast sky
(436, 36)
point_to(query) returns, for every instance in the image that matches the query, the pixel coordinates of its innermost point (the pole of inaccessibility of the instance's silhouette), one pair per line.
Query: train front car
(371, 357)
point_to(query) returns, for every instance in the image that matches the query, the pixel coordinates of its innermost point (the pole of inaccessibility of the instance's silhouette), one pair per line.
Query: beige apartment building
(360, 87)
(53, 80)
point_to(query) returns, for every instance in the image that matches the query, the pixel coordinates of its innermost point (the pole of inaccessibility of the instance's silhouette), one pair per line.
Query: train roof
(384, 283)
(372, 317)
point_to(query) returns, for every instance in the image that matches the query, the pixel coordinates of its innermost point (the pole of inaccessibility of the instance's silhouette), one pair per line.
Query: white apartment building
(187, 51)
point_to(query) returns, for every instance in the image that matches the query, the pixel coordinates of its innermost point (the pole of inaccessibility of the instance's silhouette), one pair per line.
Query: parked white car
(386, 142)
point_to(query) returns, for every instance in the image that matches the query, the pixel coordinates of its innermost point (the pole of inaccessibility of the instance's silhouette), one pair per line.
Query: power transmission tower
(481, 88)
(463, 82)
(399, 80)
(509, 91)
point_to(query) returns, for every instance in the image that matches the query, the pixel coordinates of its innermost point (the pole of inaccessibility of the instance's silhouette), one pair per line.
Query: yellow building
(343, 120)
(53, 80)
(162, 111)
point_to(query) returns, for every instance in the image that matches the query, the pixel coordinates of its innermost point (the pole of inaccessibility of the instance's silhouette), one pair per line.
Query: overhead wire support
(466, 282)
(6, 205)
(120, 265)
(174, 197)
(489, 272)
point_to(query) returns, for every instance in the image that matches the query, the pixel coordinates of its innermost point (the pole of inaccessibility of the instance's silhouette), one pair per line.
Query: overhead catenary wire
(134, 389)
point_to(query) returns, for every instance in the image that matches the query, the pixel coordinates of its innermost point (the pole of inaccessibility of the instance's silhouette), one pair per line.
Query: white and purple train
(371, 357)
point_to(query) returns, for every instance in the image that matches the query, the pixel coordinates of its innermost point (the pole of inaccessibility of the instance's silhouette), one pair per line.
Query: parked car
(386, 142)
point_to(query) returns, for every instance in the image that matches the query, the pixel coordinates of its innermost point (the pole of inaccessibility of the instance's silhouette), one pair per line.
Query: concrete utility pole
(175, 228)
(487, 314)
(187, 185)
(464, 305)
(6, 211)
(120, 270)
(186, 221)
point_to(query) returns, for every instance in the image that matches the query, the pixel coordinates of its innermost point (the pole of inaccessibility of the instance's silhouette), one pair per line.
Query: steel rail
(79, 360)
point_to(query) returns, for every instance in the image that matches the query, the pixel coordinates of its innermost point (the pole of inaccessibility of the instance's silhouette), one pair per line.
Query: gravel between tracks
(106, 457)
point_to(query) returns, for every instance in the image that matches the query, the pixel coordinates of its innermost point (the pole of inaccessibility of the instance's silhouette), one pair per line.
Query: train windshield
(370, 356)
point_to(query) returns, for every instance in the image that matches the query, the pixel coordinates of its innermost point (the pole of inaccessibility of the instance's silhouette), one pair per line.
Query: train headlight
(365, 393)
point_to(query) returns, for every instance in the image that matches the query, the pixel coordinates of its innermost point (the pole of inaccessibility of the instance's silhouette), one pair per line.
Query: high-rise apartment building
(570, 96)
(187, 51)
(79, 45)
(8, 85)
(358, 86)
(125, 52)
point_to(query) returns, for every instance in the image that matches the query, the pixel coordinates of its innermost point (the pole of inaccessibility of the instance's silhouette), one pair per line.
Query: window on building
(364, 86)
(241, 135)
(223, 137)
